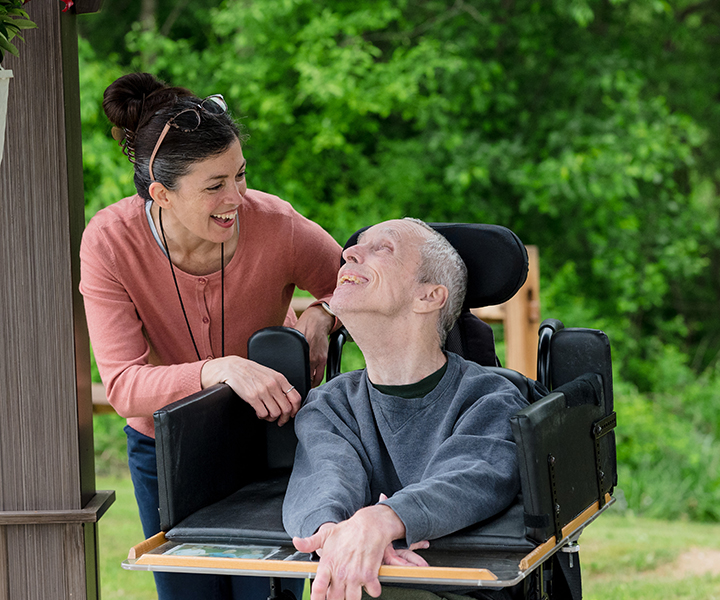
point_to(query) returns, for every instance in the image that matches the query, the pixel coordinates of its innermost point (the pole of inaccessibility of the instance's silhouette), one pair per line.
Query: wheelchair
(222, 473)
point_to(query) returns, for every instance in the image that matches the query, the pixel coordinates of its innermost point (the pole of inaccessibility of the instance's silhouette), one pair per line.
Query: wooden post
(48, 501)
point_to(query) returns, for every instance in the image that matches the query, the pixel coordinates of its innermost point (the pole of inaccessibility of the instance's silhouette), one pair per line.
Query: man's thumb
(308, 544)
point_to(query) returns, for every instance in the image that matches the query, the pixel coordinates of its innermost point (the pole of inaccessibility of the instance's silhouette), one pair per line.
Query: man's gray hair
(441, 264)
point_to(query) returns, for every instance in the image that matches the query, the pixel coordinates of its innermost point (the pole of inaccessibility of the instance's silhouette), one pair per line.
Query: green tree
(577, 123)
(587, 126)
(545, 119)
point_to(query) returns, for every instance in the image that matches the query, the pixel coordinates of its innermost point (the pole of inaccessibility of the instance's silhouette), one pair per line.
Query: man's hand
(351, 553)
(406, 557)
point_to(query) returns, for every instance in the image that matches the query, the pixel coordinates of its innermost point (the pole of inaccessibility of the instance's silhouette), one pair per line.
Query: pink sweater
(140, 341)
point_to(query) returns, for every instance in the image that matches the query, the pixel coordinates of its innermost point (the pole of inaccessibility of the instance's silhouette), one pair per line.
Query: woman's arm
(136, 385)
(316, 257)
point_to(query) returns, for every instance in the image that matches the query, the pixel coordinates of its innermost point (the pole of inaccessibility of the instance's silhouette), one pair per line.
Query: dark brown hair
(141, 105)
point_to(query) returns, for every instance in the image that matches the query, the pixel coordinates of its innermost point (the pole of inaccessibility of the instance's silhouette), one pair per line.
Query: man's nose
(352, 254)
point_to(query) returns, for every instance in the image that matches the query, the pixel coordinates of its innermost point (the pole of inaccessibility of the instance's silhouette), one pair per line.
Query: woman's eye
(215, 187)
(240, 175)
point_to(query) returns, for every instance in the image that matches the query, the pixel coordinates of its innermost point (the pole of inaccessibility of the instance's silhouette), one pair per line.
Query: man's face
(380, 271)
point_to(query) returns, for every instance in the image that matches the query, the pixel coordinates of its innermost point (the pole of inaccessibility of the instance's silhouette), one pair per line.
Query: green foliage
(110, 444)
(669, 447)
(13, 19)
(107, 174)
(548, 120)
(589, 127)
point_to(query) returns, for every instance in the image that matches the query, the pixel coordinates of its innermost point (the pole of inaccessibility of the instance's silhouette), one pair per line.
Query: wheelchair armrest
(206, 449)
(566, 463)
(210, 444)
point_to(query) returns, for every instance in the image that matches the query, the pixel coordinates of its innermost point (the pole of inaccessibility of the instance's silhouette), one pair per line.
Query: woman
(176, 278)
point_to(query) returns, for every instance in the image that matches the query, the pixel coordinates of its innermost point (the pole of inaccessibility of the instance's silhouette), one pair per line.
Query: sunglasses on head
(189, 120)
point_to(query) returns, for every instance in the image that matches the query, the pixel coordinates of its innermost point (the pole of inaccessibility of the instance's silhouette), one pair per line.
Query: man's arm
(329, 481)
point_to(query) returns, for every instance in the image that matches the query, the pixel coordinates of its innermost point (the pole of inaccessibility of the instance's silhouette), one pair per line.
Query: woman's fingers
(268, 392)
(277, 400)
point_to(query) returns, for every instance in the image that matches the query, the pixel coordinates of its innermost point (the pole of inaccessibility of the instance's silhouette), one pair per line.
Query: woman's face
(205, 201)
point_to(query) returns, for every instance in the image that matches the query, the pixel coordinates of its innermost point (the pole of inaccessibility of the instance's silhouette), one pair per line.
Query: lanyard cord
(177, 288)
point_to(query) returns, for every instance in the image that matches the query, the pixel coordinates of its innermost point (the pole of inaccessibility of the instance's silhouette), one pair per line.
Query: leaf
(5, 45)
(18, 12)
(24, 24)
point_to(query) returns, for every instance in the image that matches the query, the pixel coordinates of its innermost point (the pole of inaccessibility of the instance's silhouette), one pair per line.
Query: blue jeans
(185, 586)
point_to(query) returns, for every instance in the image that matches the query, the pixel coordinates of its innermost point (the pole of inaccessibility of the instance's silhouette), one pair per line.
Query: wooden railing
(519, 316)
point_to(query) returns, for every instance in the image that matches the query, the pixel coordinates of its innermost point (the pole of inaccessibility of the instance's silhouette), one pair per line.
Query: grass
(623, 557)
(119, 530)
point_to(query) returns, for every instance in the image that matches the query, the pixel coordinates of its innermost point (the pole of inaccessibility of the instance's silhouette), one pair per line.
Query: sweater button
(205, 320)
(202, 280)
(210, 357)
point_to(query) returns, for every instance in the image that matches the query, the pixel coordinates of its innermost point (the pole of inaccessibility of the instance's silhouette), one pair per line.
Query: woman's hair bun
(132, 99)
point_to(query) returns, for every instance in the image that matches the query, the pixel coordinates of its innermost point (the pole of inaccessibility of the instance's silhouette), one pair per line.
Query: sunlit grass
(119, 530)
(624, 557)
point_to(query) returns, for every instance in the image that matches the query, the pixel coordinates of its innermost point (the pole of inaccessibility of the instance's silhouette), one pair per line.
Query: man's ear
(432, 297)
(159, 193)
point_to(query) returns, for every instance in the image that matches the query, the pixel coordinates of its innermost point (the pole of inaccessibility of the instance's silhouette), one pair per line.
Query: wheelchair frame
(566, 448)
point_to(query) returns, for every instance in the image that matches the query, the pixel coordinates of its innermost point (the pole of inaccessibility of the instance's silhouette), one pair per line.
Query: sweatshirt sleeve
(329, 481)
(472, 476)
(135, 386)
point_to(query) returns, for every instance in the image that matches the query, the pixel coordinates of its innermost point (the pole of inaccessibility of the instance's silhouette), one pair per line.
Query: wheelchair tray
(478, 568)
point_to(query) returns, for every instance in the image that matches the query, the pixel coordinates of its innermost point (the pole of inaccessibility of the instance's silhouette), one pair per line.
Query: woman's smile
(225, 220)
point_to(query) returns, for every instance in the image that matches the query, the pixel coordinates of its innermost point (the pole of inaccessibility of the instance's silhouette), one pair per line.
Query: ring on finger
(290, 390)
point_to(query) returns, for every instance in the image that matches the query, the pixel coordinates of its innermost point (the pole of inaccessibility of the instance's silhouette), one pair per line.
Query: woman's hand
(315, 324)
(267, 391)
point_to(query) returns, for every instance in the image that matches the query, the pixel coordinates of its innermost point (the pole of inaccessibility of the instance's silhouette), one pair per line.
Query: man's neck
(397, 353)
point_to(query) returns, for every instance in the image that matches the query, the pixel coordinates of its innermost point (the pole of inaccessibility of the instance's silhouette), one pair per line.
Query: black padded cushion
(252, 515)
(576, 351)
(211, 443)
(503, 532)
(473, 339)
(560, 424)
(496, 260)
(203, 452)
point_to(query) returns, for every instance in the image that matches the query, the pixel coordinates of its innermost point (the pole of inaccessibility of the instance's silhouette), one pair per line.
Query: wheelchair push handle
(547, 328)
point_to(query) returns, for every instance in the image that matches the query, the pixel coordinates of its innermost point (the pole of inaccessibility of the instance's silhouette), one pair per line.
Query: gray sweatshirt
(445, 461)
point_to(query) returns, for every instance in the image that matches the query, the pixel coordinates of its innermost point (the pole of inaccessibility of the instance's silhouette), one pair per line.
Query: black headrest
(496, 260)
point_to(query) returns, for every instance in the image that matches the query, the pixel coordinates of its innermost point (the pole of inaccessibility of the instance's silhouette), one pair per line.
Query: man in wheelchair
(416, 446)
